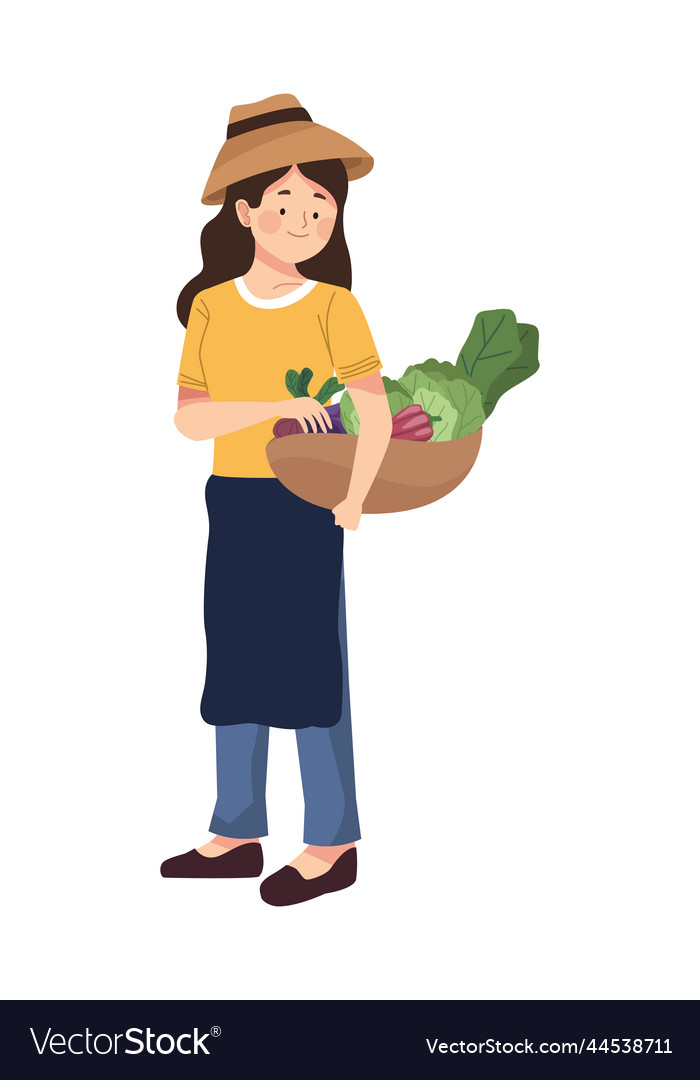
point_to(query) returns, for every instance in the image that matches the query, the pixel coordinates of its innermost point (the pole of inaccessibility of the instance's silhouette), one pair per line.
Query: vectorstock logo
(135, 1041)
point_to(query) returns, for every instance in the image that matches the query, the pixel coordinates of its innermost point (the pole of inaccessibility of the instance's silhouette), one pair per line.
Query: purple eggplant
(289, 426)
(334, 413)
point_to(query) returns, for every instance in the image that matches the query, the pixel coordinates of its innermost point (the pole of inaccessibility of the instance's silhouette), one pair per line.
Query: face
(295, 218)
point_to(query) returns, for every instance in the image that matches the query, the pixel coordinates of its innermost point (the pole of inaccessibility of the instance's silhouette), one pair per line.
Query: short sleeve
(191, 370)
(350, 342)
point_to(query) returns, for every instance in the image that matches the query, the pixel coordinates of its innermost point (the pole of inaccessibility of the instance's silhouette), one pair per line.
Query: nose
(304, 221)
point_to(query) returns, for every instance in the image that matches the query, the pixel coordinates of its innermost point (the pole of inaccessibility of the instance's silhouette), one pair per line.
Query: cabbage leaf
(348, 414)
(466, 399)
(397, 396)
(443, 416)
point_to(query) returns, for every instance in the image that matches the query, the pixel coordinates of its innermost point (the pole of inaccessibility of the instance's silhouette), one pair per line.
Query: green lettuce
(438, 369)
(413, 379)
(397, 396)
(458, 406)
(498, 354)
(466, 400)
(330, 387)
(348, 415)
(443, 416)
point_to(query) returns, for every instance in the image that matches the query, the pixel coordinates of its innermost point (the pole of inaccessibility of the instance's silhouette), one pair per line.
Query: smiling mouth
(298, 235)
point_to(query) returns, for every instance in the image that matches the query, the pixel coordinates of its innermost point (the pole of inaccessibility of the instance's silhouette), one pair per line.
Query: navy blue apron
(271, 597)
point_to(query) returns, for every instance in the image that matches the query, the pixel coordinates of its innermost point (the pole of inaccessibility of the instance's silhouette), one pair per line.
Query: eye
(282, 211)
(315, 214)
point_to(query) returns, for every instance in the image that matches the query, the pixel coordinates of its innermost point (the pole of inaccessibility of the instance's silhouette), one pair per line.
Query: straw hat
(274, 132)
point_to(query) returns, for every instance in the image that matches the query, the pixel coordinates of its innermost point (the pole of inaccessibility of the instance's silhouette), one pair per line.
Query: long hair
(228, 248)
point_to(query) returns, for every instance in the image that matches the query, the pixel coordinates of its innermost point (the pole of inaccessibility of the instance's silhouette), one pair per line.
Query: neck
(267, 269)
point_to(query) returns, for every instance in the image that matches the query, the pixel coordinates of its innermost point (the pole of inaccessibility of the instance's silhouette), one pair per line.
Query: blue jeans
(327, 773)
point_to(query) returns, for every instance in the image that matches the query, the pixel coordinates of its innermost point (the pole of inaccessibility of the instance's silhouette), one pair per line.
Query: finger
(315, 411)
(326, 417)
(302, 421)
(313, 421)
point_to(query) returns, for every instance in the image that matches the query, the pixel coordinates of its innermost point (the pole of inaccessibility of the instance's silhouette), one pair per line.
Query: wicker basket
(317, 468)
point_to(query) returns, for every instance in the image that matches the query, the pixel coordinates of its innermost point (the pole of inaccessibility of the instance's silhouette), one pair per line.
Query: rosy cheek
(269, 221)
(325, 228)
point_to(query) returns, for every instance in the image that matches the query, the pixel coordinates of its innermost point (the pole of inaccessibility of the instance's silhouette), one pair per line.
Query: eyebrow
(317, 194)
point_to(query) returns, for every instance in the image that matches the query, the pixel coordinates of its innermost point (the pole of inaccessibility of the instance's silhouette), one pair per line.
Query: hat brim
(272, 148)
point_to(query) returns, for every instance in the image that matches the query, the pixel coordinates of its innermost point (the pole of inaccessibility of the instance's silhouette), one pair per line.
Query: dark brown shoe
(246, 860)
(287, 886)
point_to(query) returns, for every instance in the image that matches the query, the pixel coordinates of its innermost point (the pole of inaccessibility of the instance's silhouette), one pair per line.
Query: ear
(243, 211)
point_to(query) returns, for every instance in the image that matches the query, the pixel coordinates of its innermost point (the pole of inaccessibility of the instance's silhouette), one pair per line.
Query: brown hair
(228, 248)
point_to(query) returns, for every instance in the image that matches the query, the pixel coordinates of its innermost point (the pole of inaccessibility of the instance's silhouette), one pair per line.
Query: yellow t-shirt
(239, 347)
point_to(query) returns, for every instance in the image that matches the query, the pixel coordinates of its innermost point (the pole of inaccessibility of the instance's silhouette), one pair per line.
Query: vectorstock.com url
(527, 1046)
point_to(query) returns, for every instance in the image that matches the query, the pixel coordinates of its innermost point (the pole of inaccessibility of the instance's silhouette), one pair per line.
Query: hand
(348, 514)
(308, 411)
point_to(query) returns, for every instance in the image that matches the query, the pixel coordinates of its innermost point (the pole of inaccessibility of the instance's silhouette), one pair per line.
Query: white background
(523, 654)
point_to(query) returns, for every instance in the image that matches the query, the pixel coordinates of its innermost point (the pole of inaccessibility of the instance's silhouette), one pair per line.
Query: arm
(369, 398)
(198, 417)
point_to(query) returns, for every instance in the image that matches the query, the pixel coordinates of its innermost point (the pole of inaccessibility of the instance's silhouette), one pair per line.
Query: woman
(274, 294)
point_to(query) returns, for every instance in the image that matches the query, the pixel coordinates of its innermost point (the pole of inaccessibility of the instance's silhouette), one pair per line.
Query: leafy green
(330, 387)
(492, 346)
(305, 377)
(298, 385)
(291, 381)
(525, 366)
(348, 415)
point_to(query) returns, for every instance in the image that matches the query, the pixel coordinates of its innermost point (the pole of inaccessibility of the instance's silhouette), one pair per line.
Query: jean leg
(327, 767)
(241, 773)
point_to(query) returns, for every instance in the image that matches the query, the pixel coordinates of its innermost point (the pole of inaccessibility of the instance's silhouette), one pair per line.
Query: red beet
(412, 423)
(421, 434)
(287, 426)
(405, 414)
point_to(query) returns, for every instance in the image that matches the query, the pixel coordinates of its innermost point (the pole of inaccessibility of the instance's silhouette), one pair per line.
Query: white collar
(274, 302)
